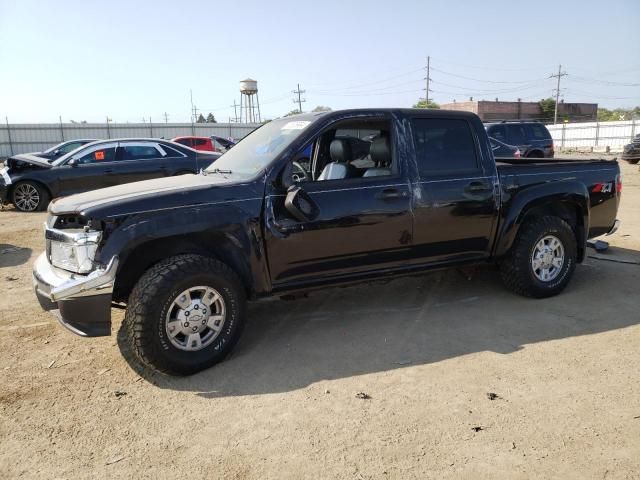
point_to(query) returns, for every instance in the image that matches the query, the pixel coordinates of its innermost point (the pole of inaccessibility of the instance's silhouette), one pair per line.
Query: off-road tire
(144, 323)
(516, 269)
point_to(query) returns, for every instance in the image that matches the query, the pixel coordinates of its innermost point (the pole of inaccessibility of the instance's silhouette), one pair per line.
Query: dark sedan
(30, 182)
(63, 148)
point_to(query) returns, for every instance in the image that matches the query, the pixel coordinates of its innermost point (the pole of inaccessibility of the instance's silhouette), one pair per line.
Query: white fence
(594, 134)
(32, 137)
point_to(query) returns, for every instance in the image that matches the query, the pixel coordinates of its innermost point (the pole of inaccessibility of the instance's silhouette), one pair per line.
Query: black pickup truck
(301, 204)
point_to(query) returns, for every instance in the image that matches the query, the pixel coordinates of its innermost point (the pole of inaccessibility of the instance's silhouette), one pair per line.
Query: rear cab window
(444, 147)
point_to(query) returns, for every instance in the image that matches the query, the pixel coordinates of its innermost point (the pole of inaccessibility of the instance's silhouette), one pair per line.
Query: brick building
(491, 111)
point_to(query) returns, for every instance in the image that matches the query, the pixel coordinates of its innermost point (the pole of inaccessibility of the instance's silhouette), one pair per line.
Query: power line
(484, 81)
(490, 67)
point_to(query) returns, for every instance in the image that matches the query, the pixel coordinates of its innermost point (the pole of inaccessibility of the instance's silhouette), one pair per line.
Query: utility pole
(235, 112)
(558, 75)
(166, 117)
(193, 113)
(428, 79)
(299, 100)
(194, 109)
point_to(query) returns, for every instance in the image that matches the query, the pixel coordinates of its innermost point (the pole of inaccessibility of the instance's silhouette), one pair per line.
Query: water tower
(249, 103)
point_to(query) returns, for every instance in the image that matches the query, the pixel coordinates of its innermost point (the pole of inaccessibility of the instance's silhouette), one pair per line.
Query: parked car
(631, 151)
(185, 253)
(502, 150)
(222, 144)
(203, 144)
(30, 182)
(532, 138)
(62, 149)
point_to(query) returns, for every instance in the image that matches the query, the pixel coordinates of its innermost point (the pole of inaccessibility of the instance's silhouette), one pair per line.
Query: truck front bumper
(82, 303)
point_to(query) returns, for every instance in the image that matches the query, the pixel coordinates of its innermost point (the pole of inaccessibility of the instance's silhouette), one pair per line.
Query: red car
(197, 143)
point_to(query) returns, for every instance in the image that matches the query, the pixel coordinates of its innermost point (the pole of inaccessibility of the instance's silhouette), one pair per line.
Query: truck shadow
(12, 256)
(407, 322)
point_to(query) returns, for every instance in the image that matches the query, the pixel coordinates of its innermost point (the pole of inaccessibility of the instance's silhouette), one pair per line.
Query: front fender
(230, 231)
(543, 196)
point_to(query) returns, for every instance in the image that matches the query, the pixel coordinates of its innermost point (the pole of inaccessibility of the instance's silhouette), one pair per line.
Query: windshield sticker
(299, 125)
(100, 155)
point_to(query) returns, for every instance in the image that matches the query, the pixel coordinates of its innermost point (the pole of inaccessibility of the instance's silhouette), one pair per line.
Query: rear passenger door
(137, 161)
(455, 205)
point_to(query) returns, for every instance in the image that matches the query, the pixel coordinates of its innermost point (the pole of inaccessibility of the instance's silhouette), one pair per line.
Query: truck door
(363, 213)
(456, 203)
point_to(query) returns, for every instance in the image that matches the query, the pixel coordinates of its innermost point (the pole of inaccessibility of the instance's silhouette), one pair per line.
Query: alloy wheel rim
(195, 318)
(547, 258)
(26, 197)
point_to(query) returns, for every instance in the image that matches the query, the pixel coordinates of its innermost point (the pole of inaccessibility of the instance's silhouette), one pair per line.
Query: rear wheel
(536, 154)
(542, 259)
(185, 314)
(30, 197)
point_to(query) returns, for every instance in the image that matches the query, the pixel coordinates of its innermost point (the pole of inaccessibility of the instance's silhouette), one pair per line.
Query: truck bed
(600, 177)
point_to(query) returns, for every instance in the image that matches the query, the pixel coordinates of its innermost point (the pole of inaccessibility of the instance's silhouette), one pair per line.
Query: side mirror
(73, 162)
(300, 205)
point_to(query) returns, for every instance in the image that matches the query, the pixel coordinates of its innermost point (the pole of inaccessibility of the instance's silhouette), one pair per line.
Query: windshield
(54, 148)
(254, 152)
(67, 156)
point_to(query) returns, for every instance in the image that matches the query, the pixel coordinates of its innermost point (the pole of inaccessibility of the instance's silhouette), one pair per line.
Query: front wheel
(542, 259)
(185, 314)
(30, 197)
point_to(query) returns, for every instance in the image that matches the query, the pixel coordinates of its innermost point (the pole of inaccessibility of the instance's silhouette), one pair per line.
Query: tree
(201, 119)
(422, 103)
(548, 108)
(211, 118)
(321, 108)
(606, 115)
(292, 112)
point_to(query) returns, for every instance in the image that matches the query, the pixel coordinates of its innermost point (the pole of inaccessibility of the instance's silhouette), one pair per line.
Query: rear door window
(444, 146)
(139, 152)
(516, 134)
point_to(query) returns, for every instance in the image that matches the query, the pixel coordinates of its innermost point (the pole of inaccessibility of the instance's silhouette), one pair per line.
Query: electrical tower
(428, 79)
(166, 117)
(235, 112)
(558, 75)
(299, 100)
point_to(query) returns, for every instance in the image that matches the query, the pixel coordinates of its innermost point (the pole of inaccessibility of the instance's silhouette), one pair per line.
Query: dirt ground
(426, 350)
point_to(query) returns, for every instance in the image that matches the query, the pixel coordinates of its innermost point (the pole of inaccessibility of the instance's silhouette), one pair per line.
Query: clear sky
(85, 60)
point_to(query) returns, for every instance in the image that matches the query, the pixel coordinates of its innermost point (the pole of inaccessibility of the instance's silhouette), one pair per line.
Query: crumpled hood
(31, 159)
(141, 196)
